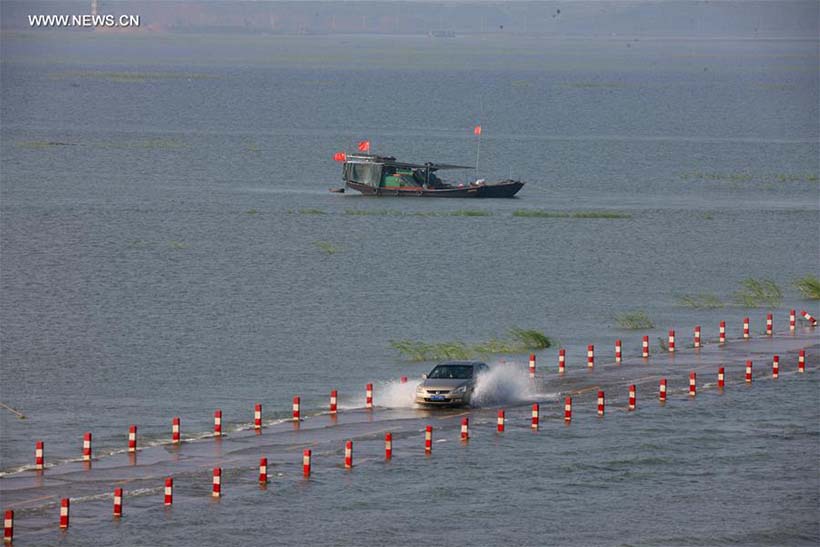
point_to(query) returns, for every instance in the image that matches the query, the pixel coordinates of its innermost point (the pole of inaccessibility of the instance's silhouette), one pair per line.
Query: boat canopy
(369, 169)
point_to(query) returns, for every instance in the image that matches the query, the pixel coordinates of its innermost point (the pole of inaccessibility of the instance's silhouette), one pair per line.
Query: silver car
(450, 384)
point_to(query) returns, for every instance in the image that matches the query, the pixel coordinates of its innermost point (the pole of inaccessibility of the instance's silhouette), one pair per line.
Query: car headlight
(461, 390)
(419, 389)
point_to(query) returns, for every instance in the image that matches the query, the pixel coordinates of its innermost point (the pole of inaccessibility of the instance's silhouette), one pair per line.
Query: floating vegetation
(518, 341)
(327, 247)
(755, 293)
(159, 144)
(139, 244)
(469, 213)
(809, 287)
(44, 144)
(174, 244)
(738, 177)
(132, 77)
(593, 85)
(539, 213)
(310, 211)
(701, 301)
(251, 212)
(373, 212)
(635, 320)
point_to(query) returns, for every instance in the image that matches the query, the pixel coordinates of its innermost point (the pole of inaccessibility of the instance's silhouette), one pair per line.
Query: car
(450, 384)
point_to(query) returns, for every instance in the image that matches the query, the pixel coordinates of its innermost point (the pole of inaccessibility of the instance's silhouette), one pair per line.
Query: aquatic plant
(700, 301)
(327, 247)
(373, 212)
(635, 320)
(310, 211)
(174, 244)
(251, 212)
(755, 293)
(538, 213)
(469, 213)
(809, 287)
(519, 341)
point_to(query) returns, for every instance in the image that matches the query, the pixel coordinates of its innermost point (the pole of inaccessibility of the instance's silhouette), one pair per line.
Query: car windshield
(452, 372)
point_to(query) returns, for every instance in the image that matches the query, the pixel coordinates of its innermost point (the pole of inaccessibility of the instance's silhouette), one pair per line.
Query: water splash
(505, 383)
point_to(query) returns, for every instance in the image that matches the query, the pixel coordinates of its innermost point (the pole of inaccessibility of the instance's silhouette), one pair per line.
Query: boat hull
(504, 189)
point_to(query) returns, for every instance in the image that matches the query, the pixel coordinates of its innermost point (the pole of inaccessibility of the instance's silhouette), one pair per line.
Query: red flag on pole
(364, 146)
(339, 156)
(477, 130)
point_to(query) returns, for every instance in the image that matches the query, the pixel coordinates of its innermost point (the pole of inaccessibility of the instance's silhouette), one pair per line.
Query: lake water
(169, 247)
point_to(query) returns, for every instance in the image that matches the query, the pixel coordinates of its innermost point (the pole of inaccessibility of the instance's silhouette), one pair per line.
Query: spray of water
(504, 384)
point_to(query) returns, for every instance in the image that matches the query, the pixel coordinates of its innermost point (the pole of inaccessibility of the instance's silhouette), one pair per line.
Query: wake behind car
(450, 384)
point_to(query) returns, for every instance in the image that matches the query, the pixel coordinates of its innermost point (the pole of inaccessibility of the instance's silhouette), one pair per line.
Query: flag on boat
(339, 156)
(364, 146)
(477, 130)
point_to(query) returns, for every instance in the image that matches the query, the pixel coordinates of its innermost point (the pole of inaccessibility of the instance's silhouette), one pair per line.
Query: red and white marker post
(769, 328)
(633, 399)
(722, 332)
(428, 440)
(263, 470)
(536, 416)
(645, 347)
(175, 438)
(8, 527)
(306, 463)
(132, 438)
(368, 397)
(746, 333)
(697, 337)
(217, 423)
(721, 380)
(348, 454)
(465, 429)
(297, 413)
(65, 506)
(568, 409)
(662, 390)
(39, 455)
(562, 359)
(500, 421)
(808, 317)
(590, 356)
(618, 348)
(216, 490)
(801, 361)
(388, 446)
(87, 447)
(792, 320)
(671, 341)
(601, 403)
(169, 491)
(775, 367)
(118, 502)
(257, 416)
(333, 406)
(532, 365)
(748, 372)
(693, 389)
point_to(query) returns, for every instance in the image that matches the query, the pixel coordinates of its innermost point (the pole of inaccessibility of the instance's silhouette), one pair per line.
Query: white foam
(396, 395)
(505, 383)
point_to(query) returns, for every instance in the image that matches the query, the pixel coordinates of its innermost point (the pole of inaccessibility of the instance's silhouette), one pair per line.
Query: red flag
(477, 130)
(339, 156)
(364, 146)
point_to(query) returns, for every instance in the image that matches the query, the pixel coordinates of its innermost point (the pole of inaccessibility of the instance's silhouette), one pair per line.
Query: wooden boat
(384, 176)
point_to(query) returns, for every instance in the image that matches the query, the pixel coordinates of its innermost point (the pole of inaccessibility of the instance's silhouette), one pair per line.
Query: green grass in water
(174, 244)
(518, 341)
(373, 212)
(755, 293)
(809, 287)
(310, 211)
(251, 212)
(700, 301)
(538, 213)
(636, 320)
(327, 247)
